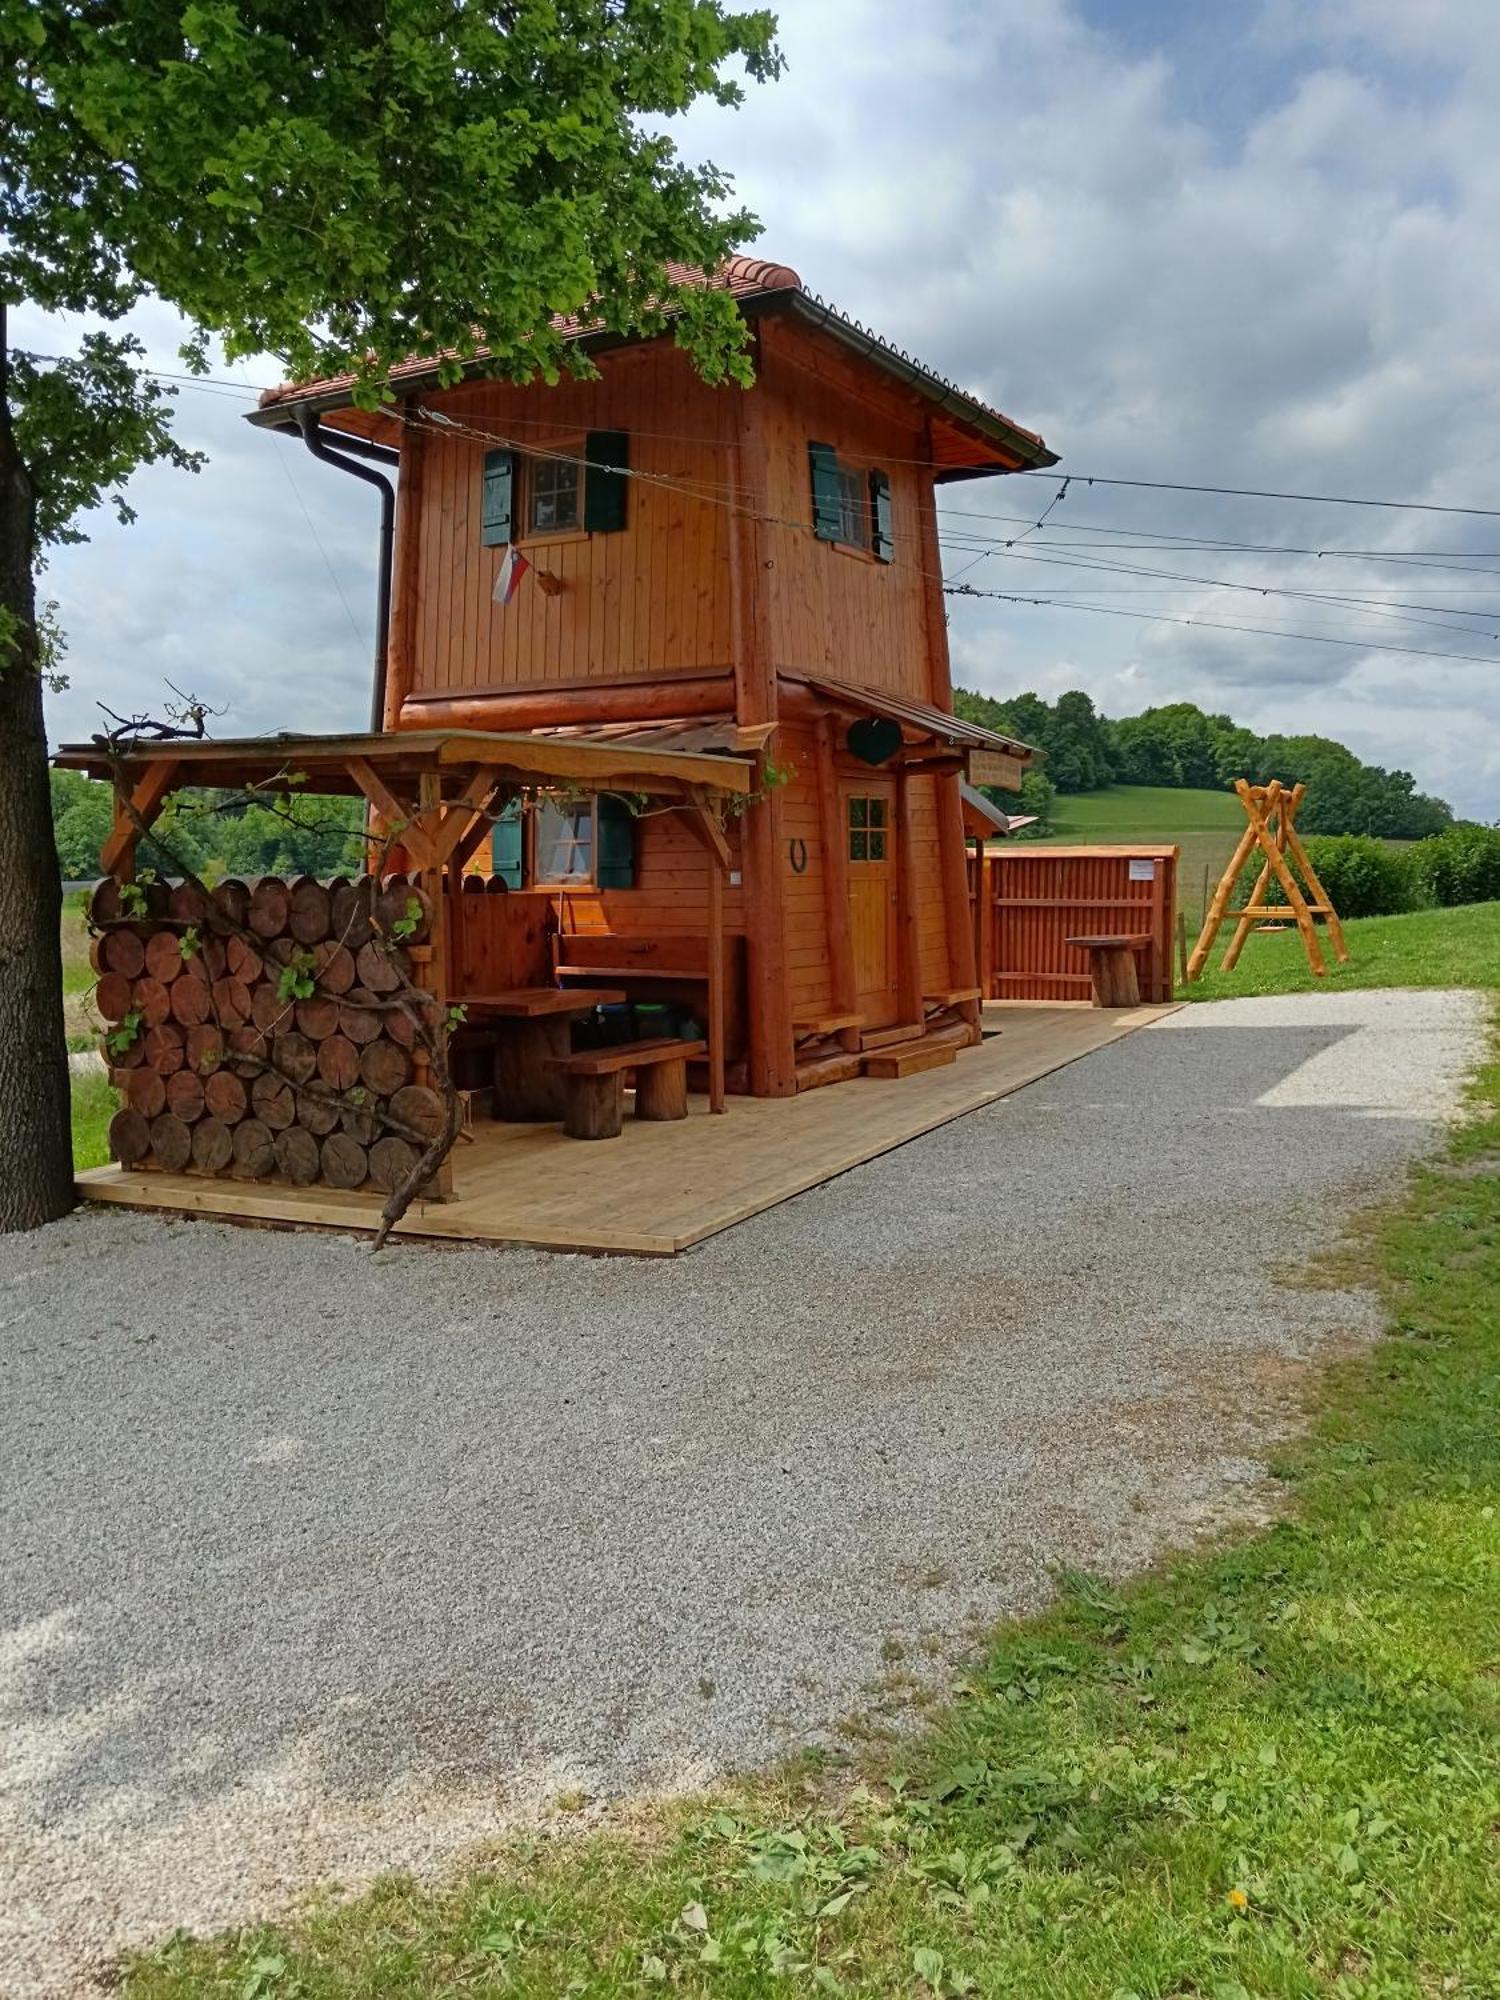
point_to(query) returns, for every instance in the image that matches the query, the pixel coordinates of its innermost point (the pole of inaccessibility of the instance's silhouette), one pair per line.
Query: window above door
(867, 826)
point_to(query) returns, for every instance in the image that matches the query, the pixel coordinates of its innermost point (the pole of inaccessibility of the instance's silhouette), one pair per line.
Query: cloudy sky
(1247, 245)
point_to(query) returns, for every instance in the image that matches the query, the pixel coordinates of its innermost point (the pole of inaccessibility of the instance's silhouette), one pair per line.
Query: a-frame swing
(1272, 813)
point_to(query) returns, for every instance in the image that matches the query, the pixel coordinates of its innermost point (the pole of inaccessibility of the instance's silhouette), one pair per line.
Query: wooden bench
(1112, 967)
(594, 1085)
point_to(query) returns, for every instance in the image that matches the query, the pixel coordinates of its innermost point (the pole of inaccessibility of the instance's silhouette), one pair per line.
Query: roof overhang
(1007, 446)
(314, 765)
(917, 718)
(978, 441)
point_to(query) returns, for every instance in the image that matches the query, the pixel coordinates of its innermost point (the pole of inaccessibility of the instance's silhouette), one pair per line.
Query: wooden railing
(1028, 900)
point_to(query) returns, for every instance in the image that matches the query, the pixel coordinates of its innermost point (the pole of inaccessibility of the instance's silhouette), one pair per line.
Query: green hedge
(1364, 877)
(1460, 866)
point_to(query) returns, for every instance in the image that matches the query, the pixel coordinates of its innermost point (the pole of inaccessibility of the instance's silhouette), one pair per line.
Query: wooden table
(1112, 966)
(538, 1026)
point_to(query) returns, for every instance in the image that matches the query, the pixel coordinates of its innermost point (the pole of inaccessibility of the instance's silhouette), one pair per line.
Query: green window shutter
(604, 484)
(827, 512)
(508, 846)
(883, 542)
(499, 482)
(616, 836)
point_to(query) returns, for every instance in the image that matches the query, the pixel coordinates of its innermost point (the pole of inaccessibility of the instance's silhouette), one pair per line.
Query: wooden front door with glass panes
(870, 849)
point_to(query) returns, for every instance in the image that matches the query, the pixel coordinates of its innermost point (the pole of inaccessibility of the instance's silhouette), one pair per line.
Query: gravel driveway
(317, 1564)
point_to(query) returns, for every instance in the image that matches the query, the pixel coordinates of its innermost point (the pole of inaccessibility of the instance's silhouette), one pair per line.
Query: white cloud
(1261, 258)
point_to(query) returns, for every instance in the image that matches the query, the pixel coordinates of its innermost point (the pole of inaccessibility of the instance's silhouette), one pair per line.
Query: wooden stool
(1112, 967)
(594, 1085)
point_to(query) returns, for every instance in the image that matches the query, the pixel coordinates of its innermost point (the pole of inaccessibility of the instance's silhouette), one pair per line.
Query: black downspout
(316, 441)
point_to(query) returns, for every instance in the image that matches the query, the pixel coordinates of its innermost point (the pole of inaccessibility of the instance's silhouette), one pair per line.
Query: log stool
(594, 1085)
(1112, 967)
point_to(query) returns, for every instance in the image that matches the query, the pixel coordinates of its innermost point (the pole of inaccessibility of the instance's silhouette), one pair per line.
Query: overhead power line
(1263, 493)
(1218, 625)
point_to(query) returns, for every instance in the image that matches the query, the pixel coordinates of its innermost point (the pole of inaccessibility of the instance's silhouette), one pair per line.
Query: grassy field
(1205, 825)
(94, 1104)
(1428, 948)
(1266, 1771)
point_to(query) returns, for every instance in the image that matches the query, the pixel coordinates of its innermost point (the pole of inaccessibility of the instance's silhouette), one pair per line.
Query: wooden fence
(1031, 899)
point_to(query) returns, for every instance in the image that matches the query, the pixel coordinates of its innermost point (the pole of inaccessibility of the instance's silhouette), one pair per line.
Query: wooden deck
(661, 1188)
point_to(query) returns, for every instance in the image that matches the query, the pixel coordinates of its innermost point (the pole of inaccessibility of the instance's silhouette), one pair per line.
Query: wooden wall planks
(654, 600)
(651, 599)
(834, 610)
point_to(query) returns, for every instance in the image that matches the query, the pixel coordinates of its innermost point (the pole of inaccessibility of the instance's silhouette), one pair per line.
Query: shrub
(1461, 865)
(1363, 876)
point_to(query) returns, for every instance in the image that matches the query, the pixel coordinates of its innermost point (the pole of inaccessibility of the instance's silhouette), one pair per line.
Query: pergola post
(705, 824)
(117, 855)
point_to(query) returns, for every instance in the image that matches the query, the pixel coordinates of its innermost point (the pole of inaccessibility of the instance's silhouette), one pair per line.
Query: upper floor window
(554, 493)
(577, 484)
(849, 506)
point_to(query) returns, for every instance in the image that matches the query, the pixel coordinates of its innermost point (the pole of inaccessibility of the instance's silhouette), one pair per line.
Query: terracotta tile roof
(744, 277)
(757, 282)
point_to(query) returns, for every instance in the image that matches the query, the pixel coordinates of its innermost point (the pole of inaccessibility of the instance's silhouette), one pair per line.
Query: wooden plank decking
(660, 1188)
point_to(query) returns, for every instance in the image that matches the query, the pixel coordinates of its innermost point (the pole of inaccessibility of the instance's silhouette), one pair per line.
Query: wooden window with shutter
(850, 508)
(579, 485)
(496, 501)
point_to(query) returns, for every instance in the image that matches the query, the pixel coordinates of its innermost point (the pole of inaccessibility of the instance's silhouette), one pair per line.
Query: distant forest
(215, 833)
(1179, 746)
(1183, 747)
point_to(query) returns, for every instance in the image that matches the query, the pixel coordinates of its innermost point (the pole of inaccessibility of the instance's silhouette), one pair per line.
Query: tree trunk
(36, 1148)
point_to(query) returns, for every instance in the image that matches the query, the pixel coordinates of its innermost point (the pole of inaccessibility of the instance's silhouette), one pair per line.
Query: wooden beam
(393, 812)
(953, 859)
(482, 824)
(703, 822)
(717, 870)
(934, 604)
(908, 951)
(457, 821)
(664, 699)
(772, 1045)
(831, 831)
(406, 568)
(984, 923)
(117, 855)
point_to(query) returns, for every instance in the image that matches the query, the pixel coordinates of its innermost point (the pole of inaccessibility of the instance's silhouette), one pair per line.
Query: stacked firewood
(267, 1033)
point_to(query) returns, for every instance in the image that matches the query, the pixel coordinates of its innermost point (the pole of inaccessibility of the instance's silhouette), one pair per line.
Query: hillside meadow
(1205, 825)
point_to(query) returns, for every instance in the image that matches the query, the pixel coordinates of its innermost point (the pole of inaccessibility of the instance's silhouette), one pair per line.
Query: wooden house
(646, 559)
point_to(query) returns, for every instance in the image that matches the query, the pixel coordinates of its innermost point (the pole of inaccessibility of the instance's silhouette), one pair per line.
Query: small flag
(513, 566)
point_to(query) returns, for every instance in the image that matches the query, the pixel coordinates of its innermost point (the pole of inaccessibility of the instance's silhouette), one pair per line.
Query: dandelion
(1237, 1900)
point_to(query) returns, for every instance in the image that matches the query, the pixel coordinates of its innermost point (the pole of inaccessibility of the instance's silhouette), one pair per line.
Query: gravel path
(317, 1564)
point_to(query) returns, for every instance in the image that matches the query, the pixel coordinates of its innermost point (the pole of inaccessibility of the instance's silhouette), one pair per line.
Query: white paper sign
(1142, 868)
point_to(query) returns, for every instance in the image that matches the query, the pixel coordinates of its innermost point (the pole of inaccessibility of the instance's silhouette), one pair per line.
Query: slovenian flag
(513, 566)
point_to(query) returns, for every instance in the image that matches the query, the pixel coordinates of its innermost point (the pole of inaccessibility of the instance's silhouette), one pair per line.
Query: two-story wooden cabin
(710, 568)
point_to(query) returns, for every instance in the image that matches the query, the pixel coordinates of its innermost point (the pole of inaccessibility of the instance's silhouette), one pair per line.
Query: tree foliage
(342, 187)
(1182, 745)
(346, 186)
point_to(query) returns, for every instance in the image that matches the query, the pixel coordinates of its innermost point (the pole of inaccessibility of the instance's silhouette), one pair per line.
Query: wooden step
(828, 1069)
(826, 1024)
(908, 1058)
(884, 1038)
(952, 996)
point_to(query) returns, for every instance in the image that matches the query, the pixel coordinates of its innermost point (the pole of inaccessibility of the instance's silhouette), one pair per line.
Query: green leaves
(120, 1039)
(345, 187)
(407, 923)
(298, 978)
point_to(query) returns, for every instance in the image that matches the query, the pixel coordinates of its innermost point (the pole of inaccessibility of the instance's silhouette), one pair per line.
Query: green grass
(1205, 825)
(1266, 1771)
(94, 1104)
(1459, 947)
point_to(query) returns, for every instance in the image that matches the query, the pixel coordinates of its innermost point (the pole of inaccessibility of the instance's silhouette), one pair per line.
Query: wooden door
(869, 846)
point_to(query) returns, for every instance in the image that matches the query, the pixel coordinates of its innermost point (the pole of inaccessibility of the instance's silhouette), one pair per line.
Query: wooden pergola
(435, 795)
